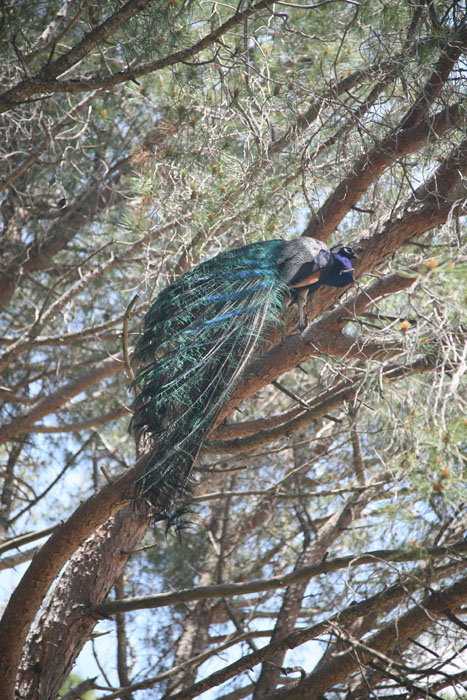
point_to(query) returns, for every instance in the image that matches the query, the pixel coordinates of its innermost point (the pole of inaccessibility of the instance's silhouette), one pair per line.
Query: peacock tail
(199, 335)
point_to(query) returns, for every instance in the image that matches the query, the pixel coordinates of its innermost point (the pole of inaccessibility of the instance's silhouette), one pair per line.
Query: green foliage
(179, 562)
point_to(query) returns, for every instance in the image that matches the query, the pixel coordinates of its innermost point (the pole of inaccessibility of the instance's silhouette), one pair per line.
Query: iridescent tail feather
(199, 335)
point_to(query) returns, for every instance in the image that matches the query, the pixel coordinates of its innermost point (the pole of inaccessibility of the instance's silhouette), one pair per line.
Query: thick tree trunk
(63, 626)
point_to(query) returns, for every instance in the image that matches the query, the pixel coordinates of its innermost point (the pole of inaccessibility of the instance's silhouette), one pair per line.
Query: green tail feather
(199, 336)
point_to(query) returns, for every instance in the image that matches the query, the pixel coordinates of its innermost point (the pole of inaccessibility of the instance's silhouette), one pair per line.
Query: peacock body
(199, 336)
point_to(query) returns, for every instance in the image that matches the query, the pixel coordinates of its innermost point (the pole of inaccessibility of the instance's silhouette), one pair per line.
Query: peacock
(199, 336)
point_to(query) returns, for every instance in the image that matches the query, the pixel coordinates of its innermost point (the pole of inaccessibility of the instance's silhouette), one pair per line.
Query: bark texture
(65, 623)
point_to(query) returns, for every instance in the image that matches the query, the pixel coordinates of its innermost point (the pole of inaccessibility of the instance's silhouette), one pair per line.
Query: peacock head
(342, 270)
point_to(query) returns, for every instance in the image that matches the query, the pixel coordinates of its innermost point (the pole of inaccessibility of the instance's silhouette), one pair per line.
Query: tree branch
(56, 399)
(82, 425)
(55, 31)
(329, 400)
(366, 171)
(455, 594)
(47, 314)
(17, 559)
(401, 631)
(36, 153)
(47, 74)
(70, 338)
(229, 590)
(45, 80)
(434, 84)
(16, 542)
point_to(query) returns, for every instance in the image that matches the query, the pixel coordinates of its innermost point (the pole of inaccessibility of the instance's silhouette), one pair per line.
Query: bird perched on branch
(200, 335)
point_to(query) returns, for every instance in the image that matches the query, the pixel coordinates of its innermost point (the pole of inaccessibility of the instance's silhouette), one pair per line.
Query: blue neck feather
(341, 273)
(338, 274)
